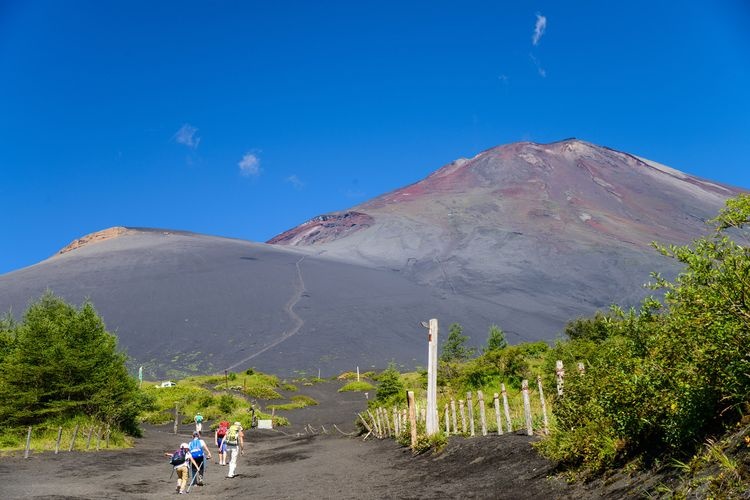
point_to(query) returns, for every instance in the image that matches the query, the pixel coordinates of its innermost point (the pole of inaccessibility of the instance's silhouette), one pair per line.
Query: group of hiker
(189, 461)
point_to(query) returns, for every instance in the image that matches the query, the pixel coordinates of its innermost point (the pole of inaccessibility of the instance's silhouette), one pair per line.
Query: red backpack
(222, 430)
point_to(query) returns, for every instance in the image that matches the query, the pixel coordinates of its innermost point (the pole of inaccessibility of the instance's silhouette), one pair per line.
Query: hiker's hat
(184, 445)
(196, 433)
(238, 423)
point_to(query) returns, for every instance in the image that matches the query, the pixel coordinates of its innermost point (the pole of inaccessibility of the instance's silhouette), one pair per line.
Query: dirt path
(299, 289)
(289, 464)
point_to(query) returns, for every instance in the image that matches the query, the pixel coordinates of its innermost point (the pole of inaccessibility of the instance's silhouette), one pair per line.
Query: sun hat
(238, 423)
(184, 445)
(196, 433)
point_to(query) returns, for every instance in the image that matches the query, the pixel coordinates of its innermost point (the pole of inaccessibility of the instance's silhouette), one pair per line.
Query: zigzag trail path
(289, 464)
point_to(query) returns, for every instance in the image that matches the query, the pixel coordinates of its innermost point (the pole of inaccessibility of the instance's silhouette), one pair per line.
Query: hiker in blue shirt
(197, 450)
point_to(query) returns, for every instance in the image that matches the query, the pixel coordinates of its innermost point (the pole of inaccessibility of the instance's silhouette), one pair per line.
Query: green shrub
(360, 386)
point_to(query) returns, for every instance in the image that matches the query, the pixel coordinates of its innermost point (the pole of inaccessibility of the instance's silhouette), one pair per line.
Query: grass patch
(360, 386)
(297, 403)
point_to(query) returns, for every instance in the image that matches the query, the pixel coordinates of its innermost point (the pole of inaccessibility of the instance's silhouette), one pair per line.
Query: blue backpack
(196, 450)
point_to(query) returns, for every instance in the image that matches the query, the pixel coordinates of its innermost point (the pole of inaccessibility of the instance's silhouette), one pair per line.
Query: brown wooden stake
(396, 426)
(28, 444)
(177, 416)
(499, 421)
(88, 438)
(544, 405)
(367, 426)
(482, 415)
(57, 443)
(527, 407)
(98, 437)
(73, 439)
(109, 432)
(506, 408)
(374, 424)
(412, 419)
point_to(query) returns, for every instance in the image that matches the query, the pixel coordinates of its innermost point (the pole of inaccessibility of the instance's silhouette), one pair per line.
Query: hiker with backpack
(219, 436)
(198, 422)
(235, 441)
(181, 460)
(197, 448)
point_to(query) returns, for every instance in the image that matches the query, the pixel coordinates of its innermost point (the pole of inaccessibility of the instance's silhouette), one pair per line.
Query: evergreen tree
(454, 347)
(390, 385)
(495, 339)
(61, 363)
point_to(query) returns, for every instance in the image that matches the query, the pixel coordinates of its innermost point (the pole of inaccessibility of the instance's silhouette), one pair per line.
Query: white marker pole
(432, 423)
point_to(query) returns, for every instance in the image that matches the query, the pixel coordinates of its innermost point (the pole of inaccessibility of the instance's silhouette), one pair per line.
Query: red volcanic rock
(324, 228)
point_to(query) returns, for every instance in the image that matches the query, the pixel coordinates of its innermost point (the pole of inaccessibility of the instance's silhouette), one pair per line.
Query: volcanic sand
(289, 463)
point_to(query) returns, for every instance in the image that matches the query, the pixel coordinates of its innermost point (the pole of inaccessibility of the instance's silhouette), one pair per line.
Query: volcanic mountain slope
(184, 303)
(526, 236)
(558, 229)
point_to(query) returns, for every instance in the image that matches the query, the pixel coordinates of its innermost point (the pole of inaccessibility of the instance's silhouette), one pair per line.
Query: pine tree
(390, 384)
(454, 347)
(495, 339)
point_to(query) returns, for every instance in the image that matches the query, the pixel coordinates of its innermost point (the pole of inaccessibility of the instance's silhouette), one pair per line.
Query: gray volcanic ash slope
(182, 302)
(526, 236)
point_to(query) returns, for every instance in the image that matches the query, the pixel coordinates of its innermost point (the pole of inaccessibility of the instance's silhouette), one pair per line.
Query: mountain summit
(526, 236)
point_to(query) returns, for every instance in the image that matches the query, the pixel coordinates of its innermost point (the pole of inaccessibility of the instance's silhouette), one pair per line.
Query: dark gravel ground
(289, 463)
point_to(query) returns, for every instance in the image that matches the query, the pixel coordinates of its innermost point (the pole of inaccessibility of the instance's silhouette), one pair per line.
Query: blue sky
(244, 119)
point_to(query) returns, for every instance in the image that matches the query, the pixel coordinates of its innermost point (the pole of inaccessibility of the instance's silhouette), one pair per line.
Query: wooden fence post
(367, 426)
(482, 415)
(527, 407)
(463, 416)
(581, 368)
(453, 412)
(176, 416)
(544, 405)
(109, 432)
(57, 443)
(98, 437)
(506, 407)
(412, 419)
(88, 438)
(447, 421)
(28, 444)
(374, 424)
(396, 426)
(470, 406)
(560, 372)
(73, 439)
(497, 415)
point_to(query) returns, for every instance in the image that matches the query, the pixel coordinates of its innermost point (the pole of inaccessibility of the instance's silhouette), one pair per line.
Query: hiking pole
(192, 480)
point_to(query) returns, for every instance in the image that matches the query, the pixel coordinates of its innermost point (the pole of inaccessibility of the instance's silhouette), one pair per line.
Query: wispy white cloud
(539, 68)
(187, 135)
(249, 165)
(539, 27)
(295, 181)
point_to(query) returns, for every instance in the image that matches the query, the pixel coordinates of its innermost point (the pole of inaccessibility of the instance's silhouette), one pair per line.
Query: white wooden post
(412, 419)
(358, 374)
(470, 406)
(447, 421)
(396, 426)
(482, 415)
(560, 372)
(506, 407)
(374, 424)
(431, 424)
(453, 412)
(544, 405)
(463, 416)
(527, 407)
(28, 444)
(497, 415)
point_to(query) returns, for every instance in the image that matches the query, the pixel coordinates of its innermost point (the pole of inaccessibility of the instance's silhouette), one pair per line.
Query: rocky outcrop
(324, 228)
(97, 237)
